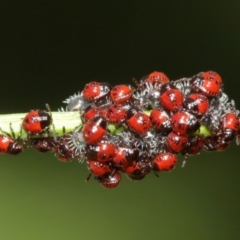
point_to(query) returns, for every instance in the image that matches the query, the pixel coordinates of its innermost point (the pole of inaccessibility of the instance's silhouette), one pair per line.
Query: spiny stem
(69, 120)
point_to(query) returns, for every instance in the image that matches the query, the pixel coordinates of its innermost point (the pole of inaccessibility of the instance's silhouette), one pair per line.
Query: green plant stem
(67, 120)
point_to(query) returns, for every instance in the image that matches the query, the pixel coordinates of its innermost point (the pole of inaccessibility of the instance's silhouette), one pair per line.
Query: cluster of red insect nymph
(136, 130)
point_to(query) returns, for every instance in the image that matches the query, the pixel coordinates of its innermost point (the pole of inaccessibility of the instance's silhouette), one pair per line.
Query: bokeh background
(50, 51)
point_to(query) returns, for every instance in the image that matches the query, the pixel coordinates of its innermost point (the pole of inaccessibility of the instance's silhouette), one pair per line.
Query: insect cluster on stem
(136, 130)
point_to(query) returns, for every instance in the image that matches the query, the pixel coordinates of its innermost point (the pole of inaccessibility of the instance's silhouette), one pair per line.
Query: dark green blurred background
(50, 51)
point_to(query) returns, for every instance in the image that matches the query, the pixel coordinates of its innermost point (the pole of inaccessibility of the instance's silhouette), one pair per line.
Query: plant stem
(69, 120)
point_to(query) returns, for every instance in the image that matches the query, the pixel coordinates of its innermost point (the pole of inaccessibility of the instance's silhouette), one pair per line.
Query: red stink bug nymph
(9, 143)
(37, 121)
